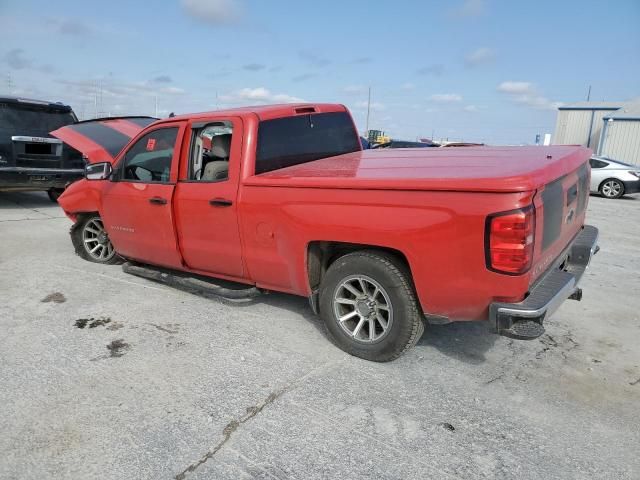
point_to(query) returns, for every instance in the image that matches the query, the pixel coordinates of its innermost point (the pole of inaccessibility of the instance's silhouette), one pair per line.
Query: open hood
(101, 140)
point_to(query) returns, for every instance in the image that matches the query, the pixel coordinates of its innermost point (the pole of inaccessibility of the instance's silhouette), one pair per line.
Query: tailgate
(560, 212)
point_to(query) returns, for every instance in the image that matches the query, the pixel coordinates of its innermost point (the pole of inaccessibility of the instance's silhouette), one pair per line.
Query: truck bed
(478, 169)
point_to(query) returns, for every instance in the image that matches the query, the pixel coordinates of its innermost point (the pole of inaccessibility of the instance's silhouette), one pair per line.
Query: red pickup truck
(283, 198)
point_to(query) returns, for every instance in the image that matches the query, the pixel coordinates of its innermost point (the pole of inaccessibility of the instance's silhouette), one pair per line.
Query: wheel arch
(321, 254)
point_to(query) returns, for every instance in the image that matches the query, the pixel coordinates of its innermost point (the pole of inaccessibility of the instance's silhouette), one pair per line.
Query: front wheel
(612, 188)
(91, 241)
(369, 307)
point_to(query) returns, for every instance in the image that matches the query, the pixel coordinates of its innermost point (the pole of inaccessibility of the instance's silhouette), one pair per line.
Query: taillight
(509, 240)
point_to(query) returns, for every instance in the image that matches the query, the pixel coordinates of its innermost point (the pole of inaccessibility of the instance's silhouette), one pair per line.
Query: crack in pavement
(233, 425)
(30, 219)
(35, 210)
(230, 428)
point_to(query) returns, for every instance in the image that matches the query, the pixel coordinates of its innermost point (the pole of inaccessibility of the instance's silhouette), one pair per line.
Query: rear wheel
(91, 241)
(612, 188)
(368, 306)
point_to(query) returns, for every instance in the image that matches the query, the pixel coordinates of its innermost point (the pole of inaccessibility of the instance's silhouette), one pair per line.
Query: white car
(613, 179)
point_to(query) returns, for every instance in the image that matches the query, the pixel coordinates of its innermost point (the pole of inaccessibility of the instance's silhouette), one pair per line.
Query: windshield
(19, 118)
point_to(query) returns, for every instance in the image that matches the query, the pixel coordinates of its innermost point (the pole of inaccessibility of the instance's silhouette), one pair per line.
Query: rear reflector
(509, 238)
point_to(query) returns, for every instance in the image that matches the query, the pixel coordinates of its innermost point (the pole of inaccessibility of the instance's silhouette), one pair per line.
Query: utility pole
(9, 83)
(589, 94)
(368, 112)
(95, 100)
(156, 115)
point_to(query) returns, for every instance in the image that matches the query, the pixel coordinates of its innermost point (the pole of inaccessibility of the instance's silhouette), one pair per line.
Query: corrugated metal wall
(622, 141)
(596, 131)
(572, 127)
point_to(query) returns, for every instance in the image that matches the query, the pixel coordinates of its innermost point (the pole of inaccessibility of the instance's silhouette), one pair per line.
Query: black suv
(30, 158)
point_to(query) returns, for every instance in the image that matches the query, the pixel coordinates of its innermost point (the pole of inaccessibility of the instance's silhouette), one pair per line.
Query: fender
(81, 196)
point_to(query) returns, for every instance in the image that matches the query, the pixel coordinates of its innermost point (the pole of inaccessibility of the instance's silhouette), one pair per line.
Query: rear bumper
(20, 178)
(524, 320)
(632, 186)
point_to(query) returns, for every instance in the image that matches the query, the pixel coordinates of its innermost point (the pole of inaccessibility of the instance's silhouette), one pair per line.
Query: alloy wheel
(96, 241)
(611, 188)
(362, 309)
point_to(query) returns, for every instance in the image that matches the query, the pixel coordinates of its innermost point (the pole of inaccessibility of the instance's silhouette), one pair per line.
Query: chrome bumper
(524, 320)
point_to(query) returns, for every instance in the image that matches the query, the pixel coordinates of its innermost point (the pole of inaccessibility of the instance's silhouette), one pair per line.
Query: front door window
(149, 159)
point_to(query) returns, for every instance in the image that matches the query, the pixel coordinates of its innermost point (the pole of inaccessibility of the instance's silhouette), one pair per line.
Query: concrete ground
(108, 376)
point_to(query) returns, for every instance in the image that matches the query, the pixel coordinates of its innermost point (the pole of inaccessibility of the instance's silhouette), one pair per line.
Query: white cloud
(480, 56)
(374, 105)
(172, 91)
(214, 12)
(247, 96)
(526, 93)
(470, 8)
(446, 97)
(470, 108)
(515, 87)
(112, 96)
(354, 89)
(408, 86)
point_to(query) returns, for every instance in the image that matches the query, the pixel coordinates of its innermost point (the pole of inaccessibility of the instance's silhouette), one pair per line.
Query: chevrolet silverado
(283, 198)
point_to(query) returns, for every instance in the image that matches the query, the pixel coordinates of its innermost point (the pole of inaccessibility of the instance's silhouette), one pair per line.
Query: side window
(288, 141)
(149, 159)
(597, 163)
(210, 151)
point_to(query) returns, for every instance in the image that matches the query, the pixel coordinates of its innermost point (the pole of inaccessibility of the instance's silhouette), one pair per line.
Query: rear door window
(283, 142)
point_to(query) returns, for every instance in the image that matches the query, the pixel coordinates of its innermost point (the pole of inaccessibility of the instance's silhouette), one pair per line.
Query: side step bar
(193, 284)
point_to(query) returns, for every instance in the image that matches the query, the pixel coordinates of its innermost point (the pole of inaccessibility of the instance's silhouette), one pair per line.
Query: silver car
(613, 179)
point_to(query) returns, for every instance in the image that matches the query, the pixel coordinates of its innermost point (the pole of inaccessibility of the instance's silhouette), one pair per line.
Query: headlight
(636, 173)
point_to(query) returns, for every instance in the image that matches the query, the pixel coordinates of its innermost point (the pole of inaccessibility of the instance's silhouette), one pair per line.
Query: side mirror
(98, 171)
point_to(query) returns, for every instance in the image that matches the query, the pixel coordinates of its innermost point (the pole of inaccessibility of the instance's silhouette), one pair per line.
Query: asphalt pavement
(108, 376)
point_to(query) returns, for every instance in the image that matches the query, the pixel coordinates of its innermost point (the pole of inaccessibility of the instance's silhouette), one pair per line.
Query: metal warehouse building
(610, 129)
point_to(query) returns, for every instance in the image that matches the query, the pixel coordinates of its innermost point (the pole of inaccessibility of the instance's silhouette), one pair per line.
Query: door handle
(158, 200)
(220, 202)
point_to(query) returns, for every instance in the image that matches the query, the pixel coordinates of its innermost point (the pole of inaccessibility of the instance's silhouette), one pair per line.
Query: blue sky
(477, 70)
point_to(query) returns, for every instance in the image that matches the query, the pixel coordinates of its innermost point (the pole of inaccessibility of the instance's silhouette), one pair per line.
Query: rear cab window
(284, 142)
(25, 117)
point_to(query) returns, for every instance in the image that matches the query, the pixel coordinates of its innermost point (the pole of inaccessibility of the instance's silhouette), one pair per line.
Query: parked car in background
(461, 144)
(30, 158)
(403, 144)
(613, 179)
(283, 198)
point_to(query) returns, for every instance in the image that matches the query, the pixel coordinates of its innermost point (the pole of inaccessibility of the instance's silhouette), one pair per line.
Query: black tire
(80, 231)
(405, 327)
(611, 188)
(54, 194)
